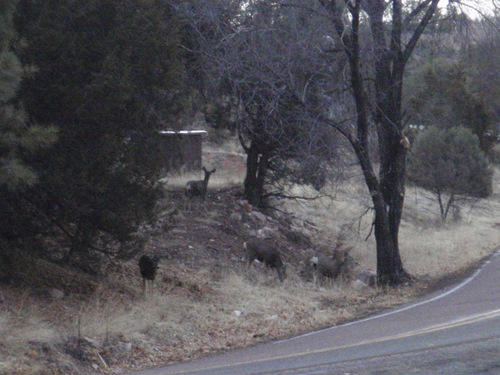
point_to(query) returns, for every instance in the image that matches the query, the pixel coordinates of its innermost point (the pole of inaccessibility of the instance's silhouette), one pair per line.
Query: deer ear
(213, 171)
(204, 169)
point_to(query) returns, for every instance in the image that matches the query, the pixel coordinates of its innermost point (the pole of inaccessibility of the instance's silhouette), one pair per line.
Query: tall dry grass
(208, 313)
(428, 246)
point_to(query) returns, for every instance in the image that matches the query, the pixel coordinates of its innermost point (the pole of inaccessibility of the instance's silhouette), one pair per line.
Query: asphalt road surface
(455, 331)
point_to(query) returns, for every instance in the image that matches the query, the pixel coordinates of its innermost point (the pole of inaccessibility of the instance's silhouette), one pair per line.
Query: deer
(198, 188)
(331, 266)
(148, 265)
(263, 251)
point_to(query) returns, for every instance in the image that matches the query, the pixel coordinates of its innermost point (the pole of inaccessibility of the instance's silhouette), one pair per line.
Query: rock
(125, 347)
(305, 232)
(367, 277)
(265, 232)
(259, 216)
(92, 342)
(235, 216)
(54, 293)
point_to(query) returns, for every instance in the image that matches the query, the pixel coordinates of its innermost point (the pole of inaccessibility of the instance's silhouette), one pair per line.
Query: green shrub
(449, 163)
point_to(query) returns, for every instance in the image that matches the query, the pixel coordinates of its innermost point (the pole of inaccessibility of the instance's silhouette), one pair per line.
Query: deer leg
(249, 265)
(280, 274)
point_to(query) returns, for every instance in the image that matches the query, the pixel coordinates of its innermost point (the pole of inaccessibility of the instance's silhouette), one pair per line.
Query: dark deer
(328, 266)
(199, 188)
(263, 251)
(148, 265)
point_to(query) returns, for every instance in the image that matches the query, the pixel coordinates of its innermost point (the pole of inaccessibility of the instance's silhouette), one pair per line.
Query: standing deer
(329, 266)
(148, 265)
(199, 188)
(265, 252)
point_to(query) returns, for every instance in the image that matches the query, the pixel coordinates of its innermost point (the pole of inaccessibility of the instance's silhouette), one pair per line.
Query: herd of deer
(262, 250)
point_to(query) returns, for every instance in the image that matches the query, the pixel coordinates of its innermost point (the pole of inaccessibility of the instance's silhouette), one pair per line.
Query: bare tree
(268, 62)
(393, 38)
(376, 39)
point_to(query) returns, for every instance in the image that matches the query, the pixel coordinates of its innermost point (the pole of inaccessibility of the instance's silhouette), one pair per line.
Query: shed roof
(183, 132)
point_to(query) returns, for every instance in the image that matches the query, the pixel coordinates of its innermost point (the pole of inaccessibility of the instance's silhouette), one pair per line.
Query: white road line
(438, 297)
(440, 327)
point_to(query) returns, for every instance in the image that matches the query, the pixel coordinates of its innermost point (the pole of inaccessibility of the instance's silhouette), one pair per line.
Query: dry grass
(197, 309)
(429, 248)
(432, 249)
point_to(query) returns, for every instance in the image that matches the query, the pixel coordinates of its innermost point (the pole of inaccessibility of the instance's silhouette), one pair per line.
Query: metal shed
(183, 149)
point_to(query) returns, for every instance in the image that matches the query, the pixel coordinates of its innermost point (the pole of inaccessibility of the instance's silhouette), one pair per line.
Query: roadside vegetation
(204, 301)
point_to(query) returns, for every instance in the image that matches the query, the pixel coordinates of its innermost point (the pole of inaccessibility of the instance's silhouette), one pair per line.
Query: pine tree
(110, 75)
(445, 99)
(16, 136)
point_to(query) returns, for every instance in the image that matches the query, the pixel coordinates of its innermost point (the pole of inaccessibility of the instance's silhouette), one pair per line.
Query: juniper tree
(110, 76)
(445, 99)
(20, 142)
(450, 164)
(17, 137)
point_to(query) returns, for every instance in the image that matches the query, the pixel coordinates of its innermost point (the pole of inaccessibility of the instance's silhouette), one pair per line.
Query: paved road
(454, 331)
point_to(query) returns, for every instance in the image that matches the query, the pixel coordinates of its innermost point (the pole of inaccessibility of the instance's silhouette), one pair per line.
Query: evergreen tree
(20, 142)
(445, 100)
(16, 136)
(110, 75)
(450, 164)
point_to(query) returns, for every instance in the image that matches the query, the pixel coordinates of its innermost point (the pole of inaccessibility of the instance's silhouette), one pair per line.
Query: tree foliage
(445, 100)
(109, 75)
(449, 163)
(18, 139)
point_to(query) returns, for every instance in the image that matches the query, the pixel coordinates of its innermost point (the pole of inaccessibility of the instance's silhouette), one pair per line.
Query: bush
(449, 162)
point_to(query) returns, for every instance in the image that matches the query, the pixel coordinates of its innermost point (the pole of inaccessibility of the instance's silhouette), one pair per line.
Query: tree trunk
(392, 176)
(387, 191)
(387, 218)
(389, 67)
(389, 266)
(257, 163)
(81, 240)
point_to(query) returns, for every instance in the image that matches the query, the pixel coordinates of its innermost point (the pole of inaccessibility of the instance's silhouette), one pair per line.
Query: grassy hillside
(204, 301)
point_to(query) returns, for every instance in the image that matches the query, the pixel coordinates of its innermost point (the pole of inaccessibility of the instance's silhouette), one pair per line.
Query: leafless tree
(283, 62)
(268, 62)
(393, 37)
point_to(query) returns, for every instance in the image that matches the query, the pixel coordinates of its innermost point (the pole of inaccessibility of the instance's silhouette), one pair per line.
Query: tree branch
(419, 30)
